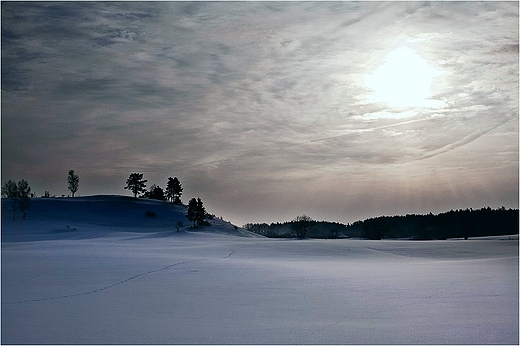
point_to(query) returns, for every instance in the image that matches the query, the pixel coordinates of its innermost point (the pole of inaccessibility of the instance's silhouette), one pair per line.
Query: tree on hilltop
(24, 191)
(19, 193)
(9, 190)
(73, 182)
(155, 192)
(136, 184)
(174, 190)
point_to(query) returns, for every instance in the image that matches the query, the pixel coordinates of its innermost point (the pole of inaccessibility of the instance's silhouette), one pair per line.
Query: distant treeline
(317, 229)
(453, 224)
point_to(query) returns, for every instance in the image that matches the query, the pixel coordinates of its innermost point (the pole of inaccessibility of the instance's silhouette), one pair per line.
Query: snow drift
(116, 276)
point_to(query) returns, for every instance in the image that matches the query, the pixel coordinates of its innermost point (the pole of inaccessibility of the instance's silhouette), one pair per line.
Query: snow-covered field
(115, 276)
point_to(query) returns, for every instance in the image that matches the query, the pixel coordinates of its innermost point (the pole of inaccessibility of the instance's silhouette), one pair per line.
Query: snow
(122, 278)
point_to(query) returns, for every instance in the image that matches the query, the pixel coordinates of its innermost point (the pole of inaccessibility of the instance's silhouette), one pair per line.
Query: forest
(452, 224)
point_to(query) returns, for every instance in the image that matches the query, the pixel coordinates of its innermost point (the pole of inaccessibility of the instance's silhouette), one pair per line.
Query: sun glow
(403, 81)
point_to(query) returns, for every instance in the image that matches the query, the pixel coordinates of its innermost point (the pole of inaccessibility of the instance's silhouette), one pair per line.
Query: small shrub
(150, 213)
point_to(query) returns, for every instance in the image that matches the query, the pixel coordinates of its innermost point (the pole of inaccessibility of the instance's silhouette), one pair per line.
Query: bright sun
(403, 81)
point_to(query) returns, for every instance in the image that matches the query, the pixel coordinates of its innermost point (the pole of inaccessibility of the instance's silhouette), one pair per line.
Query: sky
(267, 110)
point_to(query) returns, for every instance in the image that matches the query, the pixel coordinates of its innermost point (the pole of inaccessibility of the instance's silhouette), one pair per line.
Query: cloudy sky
(267, 110)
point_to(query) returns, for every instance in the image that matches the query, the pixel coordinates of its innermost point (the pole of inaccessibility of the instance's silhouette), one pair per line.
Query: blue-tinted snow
(144, 284)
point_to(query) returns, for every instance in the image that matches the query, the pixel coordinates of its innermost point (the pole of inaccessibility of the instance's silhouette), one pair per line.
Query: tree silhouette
(155, 192)
(192, 211)
(196, 212)
(201, 212)
(301, 225)
(174, 190)
(73, 182)
(19, 193)
(135, 183)
(24, 191)
(10, 190)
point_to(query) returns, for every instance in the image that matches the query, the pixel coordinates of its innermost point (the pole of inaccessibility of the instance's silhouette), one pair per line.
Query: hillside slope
(99, 215)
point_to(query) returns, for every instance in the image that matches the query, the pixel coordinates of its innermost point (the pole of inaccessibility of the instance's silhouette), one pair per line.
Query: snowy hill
(103, 214)
(117, 276)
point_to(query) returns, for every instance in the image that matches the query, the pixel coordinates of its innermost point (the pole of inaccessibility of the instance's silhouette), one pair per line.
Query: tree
(196, 212)
(201, 212)
(192, 211)
(73, 182)
(301, 225)
(24, 191)
(135, 183)
(155, 192)
(9, 190)
(20, 194)
(174, 190)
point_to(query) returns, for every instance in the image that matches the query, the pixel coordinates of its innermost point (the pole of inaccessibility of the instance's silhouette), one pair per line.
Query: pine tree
(192, 211)
(196, 212)
(135, 183)
(200, 212)
(174, 190)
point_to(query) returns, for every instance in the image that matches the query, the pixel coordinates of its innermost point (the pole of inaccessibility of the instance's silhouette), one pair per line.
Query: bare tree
(73, 182)
(301, 225)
